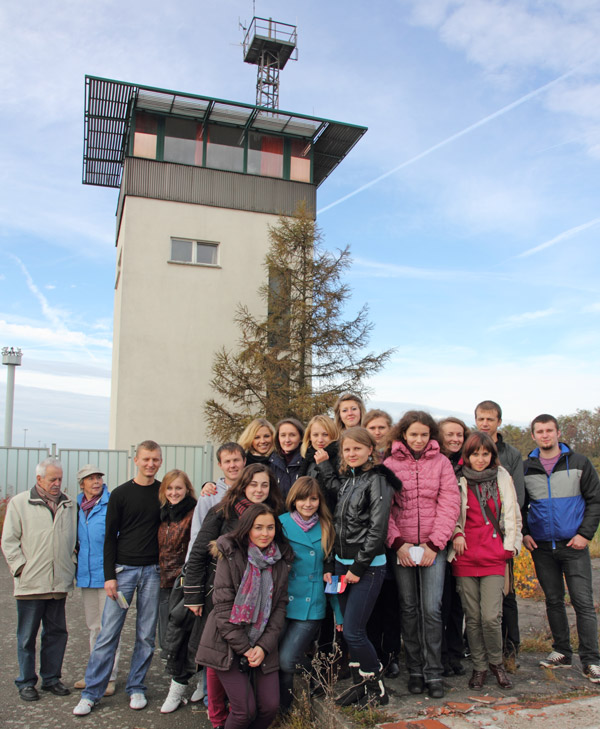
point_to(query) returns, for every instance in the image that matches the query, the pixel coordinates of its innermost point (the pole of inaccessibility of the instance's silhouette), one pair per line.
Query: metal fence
(17, 465)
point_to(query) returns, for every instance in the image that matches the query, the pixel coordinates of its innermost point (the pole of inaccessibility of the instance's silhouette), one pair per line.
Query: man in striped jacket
(561, 515)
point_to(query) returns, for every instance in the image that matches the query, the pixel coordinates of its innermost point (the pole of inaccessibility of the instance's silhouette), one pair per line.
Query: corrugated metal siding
(202, 186)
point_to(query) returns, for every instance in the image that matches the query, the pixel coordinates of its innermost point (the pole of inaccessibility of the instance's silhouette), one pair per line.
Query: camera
(244, 664)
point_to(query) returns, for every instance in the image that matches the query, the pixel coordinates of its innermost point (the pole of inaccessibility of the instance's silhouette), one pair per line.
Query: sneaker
(110, 688)
(137, 701)
(556, 660)
(592, 672)
(84, 707)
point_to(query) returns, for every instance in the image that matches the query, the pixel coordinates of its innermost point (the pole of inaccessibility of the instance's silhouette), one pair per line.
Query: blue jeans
(357, 603)
(51, 615)
(296, 639)
(420, 591)
(575, 565)
(146, 581)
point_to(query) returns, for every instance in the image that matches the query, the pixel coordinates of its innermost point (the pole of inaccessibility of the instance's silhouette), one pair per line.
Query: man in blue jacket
(561, 515)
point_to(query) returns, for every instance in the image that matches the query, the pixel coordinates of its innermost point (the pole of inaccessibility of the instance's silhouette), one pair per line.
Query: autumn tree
(298, 358)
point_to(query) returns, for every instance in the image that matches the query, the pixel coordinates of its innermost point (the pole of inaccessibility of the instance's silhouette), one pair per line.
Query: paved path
(55, 712)
(529, 703)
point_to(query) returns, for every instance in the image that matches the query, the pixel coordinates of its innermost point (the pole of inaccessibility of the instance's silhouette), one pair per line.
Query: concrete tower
(200, 181)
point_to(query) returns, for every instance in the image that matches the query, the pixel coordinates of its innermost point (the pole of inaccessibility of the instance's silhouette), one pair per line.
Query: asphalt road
(55, 712)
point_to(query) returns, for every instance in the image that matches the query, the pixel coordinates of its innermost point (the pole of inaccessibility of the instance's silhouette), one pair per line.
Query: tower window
(200, 253)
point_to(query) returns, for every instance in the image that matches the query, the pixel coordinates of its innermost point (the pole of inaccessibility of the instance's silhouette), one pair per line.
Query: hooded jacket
(426, 509)
(222, 640)
(361, 513)
(563, 504)
(38, 547)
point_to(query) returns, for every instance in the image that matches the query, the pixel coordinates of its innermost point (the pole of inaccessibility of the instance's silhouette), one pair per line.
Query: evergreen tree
(297, 359)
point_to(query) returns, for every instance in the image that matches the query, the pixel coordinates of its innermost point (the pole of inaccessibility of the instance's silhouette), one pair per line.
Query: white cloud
(45, 336)
(524, 386)
(591, 308)
(520, 320)
(513, 40)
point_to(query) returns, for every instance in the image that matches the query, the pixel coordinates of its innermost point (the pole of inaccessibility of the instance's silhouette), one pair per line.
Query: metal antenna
(269, 45)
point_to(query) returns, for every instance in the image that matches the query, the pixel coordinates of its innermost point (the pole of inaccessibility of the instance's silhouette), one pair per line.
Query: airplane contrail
(557, 239)
(453, 137)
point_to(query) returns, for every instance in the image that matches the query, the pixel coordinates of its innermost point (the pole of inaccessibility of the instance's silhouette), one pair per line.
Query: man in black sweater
(130, 566)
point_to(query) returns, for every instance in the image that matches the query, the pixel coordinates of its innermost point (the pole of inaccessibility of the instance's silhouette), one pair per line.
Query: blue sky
(471, 205)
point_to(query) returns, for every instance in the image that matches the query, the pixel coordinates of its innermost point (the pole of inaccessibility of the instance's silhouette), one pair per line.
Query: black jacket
(361, 513)
(512, 460)
(308, 467)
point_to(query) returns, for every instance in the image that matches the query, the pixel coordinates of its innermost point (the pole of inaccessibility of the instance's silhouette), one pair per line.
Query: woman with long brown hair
(309, 529)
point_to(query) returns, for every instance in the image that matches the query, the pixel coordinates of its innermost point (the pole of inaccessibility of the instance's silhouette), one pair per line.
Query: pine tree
(297, 359)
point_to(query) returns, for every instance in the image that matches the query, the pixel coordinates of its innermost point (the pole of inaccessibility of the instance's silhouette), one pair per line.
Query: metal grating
(108, 112)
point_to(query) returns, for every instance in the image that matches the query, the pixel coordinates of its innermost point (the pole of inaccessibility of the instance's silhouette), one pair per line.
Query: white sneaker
(592, 672)
(83, 707)
(137, 701)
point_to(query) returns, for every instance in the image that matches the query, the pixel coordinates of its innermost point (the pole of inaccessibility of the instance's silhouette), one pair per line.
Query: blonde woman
(348, 411)
(258, 441)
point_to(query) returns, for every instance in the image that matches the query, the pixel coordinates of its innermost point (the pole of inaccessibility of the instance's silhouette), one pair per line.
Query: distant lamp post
(12, 358)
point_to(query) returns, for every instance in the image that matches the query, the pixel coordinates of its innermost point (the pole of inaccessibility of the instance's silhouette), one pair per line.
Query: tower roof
(109, 107)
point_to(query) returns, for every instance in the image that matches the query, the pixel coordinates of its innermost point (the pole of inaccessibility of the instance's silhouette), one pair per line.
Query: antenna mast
(269, 45)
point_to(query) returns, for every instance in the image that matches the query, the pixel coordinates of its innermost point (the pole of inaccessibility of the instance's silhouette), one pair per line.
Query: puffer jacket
(565, 503)
(221, 640)
(42, 547)
(480, 545)
(426, 510)
(90, 536)
(361, 513)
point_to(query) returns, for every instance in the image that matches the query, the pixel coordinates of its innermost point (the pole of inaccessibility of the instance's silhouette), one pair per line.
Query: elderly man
(38, 541)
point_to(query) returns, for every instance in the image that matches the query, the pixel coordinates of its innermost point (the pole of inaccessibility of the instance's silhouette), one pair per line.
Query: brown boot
(501, 676)
(477, 680)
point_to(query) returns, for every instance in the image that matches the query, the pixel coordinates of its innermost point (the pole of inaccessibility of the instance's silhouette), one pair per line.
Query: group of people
(351, 530)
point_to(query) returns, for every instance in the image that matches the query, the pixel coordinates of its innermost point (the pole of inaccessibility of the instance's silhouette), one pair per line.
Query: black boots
(367, 688)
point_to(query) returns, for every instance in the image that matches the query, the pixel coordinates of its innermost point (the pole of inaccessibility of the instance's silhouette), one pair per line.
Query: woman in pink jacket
(422, 520)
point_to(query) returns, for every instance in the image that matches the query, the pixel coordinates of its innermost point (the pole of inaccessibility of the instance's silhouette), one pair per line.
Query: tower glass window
(300, 160)
(265, 155)
(203, 253)
(224, 148)
(183, 141)
(144, 139)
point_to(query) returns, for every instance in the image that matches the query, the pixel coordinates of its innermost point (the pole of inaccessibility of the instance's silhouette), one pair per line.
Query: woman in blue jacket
(91, 518)
(309, 529)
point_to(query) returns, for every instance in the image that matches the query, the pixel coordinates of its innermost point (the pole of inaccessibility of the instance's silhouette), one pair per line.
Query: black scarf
(176, 512)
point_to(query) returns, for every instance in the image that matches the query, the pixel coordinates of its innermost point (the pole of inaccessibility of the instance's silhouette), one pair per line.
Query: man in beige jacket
(39, 540)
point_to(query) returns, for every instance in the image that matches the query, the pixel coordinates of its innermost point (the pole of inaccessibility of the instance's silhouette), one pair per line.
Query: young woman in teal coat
(309, 529)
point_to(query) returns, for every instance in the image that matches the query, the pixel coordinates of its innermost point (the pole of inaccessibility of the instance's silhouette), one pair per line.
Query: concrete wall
(170, 318)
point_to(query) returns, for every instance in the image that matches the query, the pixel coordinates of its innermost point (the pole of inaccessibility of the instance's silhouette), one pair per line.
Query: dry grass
(368, 717)
(539, 641)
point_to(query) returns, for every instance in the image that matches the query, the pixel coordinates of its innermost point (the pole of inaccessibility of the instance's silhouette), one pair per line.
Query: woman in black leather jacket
(364, 493)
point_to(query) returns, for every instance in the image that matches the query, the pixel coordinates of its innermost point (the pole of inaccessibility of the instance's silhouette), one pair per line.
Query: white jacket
(510, 516)
(44, 547)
